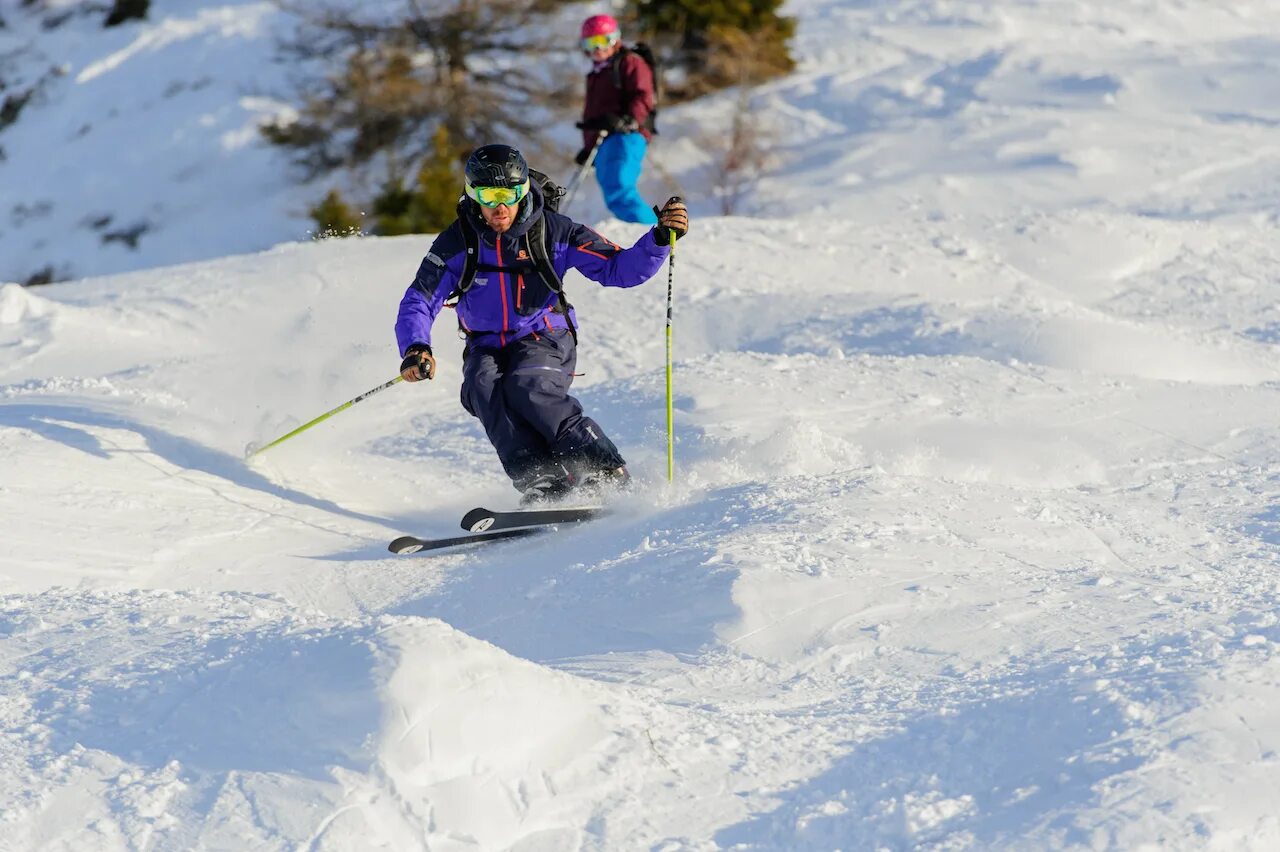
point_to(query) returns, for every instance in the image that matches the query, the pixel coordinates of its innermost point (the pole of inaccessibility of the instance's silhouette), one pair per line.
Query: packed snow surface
(973, 541)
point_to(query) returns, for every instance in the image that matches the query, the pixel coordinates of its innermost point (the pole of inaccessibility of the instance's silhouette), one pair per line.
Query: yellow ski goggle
(492, 196)
(599, 42)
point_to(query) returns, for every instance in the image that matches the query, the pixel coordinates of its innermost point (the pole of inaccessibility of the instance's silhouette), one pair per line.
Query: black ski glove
(581, 157)
(611, 122)
(621, 124)
(418, 363)
(673, 216)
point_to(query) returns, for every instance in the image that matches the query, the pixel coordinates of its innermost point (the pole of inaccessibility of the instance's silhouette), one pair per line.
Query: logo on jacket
(523, 255)
(479, 282)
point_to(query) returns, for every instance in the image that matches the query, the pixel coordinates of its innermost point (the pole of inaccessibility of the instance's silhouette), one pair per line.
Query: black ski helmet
(497, 165)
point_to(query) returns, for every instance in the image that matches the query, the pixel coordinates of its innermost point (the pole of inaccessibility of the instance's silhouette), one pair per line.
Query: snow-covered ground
(974, 542)
(138, 145)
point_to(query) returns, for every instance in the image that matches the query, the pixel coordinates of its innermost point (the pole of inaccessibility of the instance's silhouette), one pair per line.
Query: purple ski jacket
(504, 306)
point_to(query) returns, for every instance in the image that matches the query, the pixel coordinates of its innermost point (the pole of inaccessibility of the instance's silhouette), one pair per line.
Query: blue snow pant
(618, 165)
(520, 393)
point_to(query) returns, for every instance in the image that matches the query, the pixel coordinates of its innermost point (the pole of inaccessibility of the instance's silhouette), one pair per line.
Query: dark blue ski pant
(520, 393)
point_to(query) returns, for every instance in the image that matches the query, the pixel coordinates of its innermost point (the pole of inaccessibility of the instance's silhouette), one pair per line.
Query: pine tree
(439, 185)
(391, 209)
(430, 205)
(334, 217)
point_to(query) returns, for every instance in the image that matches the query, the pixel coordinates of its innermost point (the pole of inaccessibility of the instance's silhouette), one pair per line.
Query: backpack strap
(538, 241)
(615, 68)
(471, 239)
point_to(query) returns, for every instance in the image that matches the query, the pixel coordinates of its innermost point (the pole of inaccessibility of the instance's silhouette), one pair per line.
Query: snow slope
(140, 145)
(973, 545)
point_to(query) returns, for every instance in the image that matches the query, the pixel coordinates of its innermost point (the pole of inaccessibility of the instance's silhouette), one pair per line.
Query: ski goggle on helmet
(600, 32)
(492, 196)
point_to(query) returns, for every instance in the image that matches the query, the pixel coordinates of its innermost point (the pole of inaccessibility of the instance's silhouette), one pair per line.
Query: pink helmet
(599, 25)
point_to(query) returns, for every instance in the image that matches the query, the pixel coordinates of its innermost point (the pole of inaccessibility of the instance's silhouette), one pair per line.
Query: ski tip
(405, 545)
(478, 520)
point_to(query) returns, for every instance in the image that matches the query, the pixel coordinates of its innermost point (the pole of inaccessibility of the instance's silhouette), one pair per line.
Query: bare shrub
(743, 152)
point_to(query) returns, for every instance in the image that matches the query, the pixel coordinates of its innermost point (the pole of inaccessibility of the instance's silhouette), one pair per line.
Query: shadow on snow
(619, 584)
(296, 705)
(70, 426)
(1023, 760)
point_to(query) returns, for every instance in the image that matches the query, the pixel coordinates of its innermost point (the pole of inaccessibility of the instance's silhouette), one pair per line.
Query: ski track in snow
(973, 544)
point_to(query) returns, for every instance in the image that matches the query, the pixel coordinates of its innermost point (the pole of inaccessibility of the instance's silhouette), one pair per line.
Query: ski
(485, 520)
(407, 544)
(487, 525)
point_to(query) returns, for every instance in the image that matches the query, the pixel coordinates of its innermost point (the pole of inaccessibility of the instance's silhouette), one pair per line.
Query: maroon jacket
(604, 98)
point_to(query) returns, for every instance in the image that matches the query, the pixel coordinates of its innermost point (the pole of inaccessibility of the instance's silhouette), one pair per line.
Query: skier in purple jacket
(521, 334)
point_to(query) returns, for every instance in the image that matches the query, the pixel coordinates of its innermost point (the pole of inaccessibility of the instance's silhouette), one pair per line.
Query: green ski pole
(671, 432)
(253, 450)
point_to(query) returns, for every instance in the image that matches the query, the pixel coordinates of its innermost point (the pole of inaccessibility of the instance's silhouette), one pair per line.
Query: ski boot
(545, 484)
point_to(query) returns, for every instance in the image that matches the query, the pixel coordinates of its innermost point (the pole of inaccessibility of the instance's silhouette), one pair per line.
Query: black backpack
(538, 241)
(645, 52)
(552, 192)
